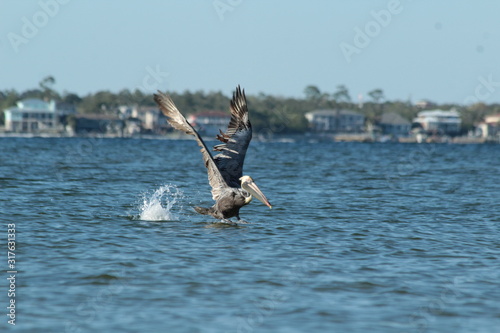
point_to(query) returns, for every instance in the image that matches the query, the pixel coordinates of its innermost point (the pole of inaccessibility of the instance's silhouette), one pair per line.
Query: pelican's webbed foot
(241, 220)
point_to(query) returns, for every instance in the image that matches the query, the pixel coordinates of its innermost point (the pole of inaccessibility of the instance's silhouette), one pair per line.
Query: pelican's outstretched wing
(177, 120)
(235, 141)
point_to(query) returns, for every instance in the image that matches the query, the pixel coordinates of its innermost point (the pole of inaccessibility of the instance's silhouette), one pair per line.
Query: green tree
(71, 98)
(376, 95)
(312, 93)
(47, 85)
(125, 97)
(32, 93)
(342, 94)
(100, 102)
(473, 114)
(8, 98)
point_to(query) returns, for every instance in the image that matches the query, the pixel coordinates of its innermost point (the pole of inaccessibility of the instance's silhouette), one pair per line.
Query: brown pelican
(230, 189)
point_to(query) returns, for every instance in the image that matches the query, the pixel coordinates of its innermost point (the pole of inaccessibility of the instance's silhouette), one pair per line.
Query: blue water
(361, 238)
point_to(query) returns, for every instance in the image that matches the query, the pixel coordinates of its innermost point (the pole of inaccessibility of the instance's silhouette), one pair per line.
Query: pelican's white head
(249, 185)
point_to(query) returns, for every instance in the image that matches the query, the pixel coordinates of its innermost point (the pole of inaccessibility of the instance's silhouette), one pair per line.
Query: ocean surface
(361, 238)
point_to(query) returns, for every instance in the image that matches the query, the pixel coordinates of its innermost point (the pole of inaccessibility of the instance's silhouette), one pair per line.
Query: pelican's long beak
(249, 185)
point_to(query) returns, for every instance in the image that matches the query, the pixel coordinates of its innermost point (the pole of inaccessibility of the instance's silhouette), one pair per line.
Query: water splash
(161, 205)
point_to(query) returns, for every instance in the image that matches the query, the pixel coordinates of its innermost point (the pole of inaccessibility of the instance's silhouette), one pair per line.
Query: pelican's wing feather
(235, 141)
(177, 120)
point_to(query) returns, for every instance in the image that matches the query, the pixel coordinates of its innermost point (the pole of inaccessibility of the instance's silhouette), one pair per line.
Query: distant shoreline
(313, 138)
(100, 135)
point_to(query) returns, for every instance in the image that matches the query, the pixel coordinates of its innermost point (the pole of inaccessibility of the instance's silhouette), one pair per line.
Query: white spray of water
(160, 205)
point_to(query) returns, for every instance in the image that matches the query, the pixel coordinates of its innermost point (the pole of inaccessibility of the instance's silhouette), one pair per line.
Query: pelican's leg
(240, 220)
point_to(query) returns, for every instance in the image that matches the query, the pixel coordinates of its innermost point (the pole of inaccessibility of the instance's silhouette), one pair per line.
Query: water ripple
(362, 237)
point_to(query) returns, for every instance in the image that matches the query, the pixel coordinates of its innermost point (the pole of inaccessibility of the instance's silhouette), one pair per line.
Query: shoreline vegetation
(274, 118)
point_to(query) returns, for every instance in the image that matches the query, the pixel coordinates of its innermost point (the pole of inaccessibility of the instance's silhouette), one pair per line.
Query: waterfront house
(335, 121)
(151, 118)
(35, 115)
(425, 104)
(394, 124)
(209, 122)
(439, 121)
(490, 127)
(132, 126)
(94, 123)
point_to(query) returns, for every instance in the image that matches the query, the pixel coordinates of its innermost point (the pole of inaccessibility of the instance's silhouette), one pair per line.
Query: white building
(335, 121)
(491, 126)
(424, 104)
(439, 121)
(210, 122)
(34, 115)
(149, 116)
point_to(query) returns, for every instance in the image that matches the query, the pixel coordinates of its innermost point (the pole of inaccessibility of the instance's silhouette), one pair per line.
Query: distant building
(149, 119)
(34, 115)
(125, 111)
(210, 122)
(425, 104)
(394, 124)
(493, 119)
(98, 124)
(490, 127)
(152, 119)
(132, 126)
(335, 121)
(439, 121)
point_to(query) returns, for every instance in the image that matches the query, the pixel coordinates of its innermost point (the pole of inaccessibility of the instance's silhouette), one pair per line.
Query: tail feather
(202, 210)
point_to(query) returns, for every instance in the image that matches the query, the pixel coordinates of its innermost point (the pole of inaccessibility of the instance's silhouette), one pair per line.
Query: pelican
(231, 190)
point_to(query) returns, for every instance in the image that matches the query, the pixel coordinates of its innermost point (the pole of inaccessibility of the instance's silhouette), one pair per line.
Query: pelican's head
(249, 185)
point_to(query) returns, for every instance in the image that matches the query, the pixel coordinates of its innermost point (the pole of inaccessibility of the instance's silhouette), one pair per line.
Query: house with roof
(143, 119)
(439, 121)
(335, 121)
(209, 122)
(34, 115)
(425, 104)
(394, 124)
(490, 127)
(152, 120)
(96, 123)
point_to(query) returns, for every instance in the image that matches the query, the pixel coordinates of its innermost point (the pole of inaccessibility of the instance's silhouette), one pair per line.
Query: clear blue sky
(438, 50)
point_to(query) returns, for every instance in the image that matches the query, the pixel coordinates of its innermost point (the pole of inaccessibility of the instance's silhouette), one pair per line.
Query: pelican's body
(230, 189)
(228, 205)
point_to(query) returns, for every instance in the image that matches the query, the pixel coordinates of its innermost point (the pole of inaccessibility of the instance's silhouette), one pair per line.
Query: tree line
(279, 114)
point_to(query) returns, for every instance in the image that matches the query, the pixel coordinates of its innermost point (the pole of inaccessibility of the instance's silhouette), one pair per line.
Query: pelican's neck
(248, 199)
